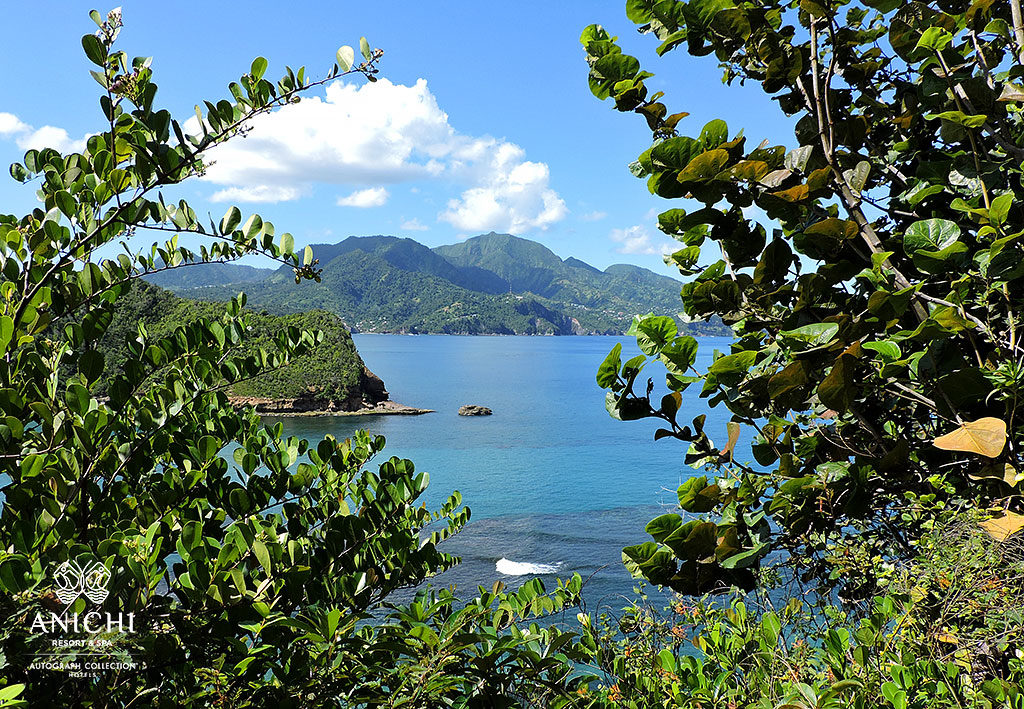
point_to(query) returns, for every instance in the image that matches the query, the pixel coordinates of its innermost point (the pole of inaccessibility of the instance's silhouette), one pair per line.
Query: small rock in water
(473, 410)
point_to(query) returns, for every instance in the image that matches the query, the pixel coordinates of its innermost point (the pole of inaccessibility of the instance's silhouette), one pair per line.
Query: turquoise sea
(555, 485)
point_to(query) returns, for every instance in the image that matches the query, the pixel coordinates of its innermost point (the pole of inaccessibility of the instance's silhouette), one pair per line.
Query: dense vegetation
(330, 376)
(249, 578)
(870, 556)
(493, 283)
(877, 355)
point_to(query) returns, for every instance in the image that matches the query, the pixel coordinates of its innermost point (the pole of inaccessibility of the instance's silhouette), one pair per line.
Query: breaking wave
(522, 568)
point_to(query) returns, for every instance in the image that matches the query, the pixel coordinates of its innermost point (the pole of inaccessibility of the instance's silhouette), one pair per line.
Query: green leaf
(889, 351)
(696, 495)
(714, 134)
(262, 554)
(232, 218)
(364, 49)
(345, 57)
(815, 335)
(835, 390)
(609, 70)
(858, 176)
(607, 373)
(259, 66)
(94, 49)
(6, 332)
(935, 39)
(960, 118)
(734, 363)
(653, 333)
(930, 234)
(287, 243)
(90, 364)
(661, 527)
(705, 166)
(680, 354)
(1000, 209)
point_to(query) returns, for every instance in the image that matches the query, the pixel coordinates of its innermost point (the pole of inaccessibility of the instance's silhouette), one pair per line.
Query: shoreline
(385, 408)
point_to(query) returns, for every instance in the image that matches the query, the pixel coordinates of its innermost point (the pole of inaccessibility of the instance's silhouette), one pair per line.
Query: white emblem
(73, 580)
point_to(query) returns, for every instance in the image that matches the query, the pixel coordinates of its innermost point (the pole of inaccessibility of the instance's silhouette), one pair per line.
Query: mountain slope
(493, 283)
(202, 275)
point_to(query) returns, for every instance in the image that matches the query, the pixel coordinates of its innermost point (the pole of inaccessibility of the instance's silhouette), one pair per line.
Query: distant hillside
(331, 378)
(202, 275)
(490, 284)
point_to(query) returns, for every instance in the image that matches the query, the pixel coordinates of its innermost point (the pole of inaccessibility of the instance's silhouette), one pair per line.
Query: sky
(481, 121)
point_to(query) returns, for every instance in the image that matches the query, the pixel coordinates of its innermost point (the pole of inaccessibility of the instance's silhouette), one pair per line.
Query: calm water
(554, 483)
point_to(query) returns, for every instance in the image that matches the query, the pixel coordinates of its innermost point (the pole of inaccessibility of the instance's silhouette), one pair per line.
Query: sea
(556, 486)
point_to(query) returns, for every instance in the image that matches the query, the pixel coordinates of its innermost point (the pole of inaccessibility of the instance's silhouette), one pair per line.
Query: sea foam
(522, 568)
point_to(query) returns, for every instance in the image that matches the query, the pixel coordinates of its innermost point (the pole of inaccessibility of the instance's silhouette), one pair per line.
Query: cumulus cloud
(257, 193)
(12, 125)
(27, 138)
(513, 195)
(370, 197)
(637, 240)
(593, 216)
(413, 225)
(385, 133)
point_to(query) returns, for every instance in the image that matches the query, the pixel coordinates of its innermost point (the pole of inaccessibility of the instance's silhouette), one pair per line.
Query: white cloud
(371, 197)
(514, 195)
(595, 216)
(637, 240)
(11, 125)
(413, 225)
(257, 193)
(27, 138)
(385, 133)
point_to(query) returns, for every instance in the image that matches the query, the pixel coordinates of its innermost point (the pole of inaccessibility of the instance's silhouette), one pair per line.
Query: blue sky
(482, 120)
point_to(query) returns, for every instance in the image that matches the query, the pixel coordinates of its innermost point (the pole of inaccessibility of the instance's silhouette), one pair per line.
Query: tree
(877, 322)
(240, 567)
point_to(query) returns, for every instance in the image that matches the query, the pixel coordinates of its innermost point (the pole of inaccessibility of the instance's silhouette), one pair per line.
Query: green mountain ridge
(488, 284)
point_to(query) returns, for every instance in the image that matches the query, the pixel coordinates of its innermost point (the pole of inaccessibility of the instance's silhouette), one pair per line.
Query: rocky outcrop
(372, 398)
(473, 410)
(372, 387)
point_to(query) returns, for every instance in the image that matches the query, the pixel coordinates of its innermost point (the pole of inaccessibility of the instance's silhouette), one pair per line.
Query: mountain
(202, 275)
(489, 284)
(330, 378)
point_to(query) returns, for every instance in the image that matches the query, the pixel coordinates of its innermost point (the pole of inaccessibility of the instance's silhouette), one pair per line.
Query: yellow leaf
(1001, 528)
(734, 434)
(986, 436)
(997, 471)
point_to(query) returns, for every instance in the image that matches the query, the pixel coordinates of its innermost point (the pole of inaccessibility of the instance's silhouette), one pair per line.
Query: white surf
(522, 568)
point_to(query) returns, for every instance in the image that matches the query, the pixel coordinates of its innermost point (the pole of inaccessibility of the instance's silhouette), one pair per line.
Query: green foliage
(332, 372)
(257, 569)
(934, 639)
(877, 327)
(732, 655)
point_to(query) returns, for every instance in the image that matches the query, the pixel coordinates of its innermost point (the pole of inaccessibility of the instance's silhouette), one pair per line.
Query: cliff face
(370, 395)
(330, 379)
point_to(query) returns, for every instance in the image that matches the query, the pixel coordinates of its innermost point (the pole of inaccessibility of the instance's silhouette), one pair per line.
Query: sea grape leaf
(608, 372)
(997, 471)
(986, 436)
(1002, 528)
(931, 235)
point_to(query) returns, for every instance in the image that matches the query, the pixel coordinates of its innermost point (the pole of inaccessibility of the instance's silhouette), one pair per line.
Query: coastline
(385, 408)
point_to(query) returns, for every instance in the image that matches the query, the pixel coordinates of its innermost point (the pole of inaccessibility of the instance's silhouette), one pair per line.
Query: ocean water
(555, 485)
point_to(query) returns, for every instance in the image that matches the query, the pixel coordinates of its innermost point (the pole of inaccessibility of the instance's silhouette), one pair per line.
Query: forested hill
(330, 378)
(489, 284)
